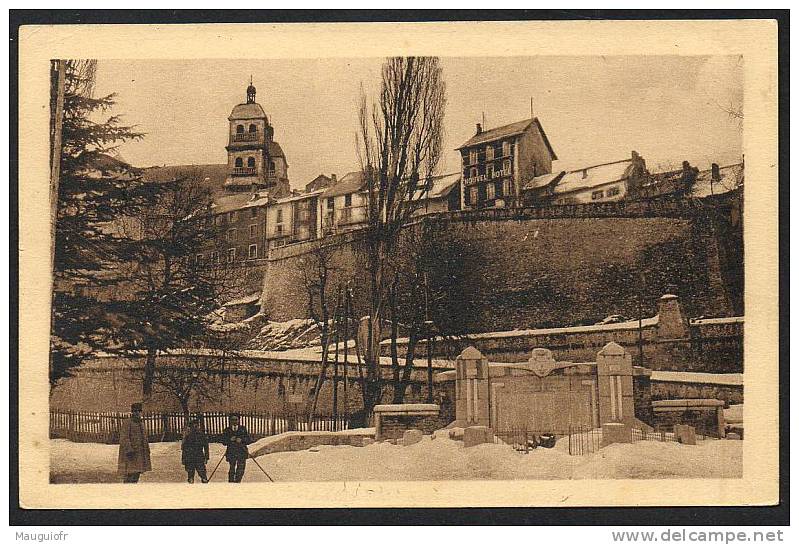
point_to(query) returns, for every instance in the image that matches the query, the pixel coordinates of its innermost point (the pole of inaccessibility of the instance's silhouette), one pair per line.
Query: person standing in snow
(236, 438)
(194, 450)
(134, 450)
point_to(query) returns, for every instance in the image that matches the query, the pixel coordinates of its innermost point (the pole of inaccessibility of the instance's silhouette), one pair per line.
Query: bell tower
(255, 160)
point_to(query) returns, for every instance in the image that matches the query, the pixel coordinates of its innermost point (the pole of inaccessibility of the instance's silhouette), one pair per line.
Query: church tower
(255, 160)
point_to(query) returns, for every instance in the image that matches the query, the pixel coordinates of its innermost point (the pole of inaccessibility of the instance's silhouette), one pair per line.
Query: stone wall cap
(471, 353)
(668, 296)
(406, 407)
(612, 349)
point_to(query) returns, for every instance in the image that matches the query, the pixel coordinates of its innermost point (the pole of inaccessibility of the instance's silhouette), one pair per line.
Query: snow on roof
(442, 186)
(593, 176)
(731, 178)
(301, 196)
(352, 182)
(541, 181)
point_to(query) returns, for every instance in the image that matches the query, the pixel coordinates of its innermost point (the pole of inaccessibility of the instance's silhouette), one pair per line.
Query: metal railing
(103, 427)
(245, 137)
(244, 171)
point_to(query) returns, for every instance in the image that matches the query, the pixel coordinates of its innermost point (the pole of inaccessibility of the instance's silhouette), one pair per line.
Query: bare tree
(735, 111)
(399, 145)
(198, 376)
(315, 270)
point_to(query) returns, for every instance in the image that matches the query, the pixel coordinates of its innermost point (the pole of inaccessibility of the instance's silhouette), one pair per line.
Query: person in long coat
(236, 438)
(134, 450)
(195, 451)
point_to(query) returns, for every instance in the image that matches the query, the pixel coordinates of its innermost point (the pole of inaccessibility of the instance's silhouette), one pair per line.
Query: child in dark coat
(195, 451)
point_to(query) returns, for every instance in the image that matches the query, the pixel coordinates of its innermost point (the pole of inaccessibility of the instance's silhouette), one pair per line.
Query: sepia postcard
(459, 264)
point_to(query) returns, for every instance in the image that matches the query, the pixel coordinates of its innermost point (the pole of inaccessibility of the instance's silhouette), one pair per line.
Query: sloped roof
(275, 150)
(593, 176)
(732, 177)
(319, 182)
(251, 110)
(506, 131)
(442, 186)
(542, 181)
(233, 201)
(352, 182)
(212, 175)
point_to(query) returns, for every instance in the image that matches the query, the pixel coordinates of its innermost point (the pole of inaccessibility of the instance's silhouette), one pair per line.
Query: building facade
(497, 162)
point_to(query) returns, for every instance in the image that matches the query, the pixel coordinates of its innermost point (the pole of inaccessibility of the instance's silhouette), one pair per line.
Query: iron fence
(103, 427)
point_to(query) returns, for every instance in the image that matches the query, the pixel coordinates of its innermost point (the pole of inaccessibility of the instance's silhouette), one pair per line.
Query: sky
(594, 109)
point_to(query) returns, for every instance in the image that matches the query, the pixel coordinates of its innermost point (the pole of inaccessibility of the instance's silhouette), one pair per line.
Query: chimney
(671, 324)
(333, 179)
(715, 173)
(479, 128)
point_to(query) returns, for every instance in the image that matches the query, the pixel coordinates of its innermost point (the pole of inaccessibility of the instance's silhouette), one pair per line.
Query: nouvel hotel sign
(484, 178)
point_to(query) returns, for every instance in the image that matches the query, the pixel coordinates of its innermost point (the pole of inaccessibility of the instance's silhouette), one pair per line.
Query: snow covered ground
(436, 458)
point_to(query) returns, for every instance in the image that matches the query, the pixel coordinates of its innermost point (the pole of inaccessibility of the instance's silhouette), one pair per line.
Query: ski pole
(217, 467)
(262, 469)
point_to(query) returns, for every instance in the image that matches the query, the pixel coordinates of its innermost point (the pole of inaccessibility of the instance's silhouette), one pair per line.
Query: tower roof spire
(250, 92)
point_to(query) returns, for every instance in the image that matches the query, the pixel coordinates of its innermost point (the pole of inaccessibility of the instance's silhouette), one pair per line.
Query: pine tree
(94, 189)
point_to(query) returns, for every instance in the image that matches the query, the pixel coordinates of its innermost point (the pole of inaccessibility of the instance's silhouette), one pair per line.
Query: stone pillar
(471, 388)
(671, 324)
(614, 368)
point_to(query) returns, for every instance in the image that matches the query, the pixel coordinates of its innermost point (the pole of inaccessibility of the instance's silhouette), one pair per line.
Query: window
(279, 215)
(348, 200)
(465, 159)
(231, 235)
(489, 171)
(215, 257)
(279, 229)
(489, 152)
(199, 259)
(251, 162)
(505, 148)
(253, 231)
(253, 128)
(239, 129)
(253, 212)
(506, 166)
(613, 191)
(272, 166)
(252, 251)
(331, 202)
(231, 216)
(500, 189)
(490, 191)
(231, 255)
(472, 156)
(597, 195)
(473, 195)
(219, 219)
(508, 190)
(473, 173)
(239, 162)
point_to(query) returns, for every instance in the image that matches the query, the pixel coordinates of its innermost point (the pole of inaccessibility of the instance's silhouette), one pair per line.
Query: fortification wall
(247, 383)
(531, 268)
